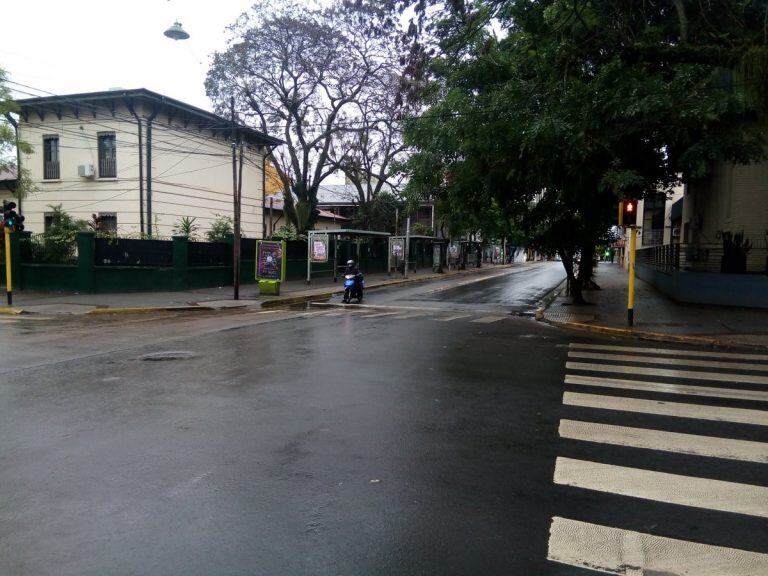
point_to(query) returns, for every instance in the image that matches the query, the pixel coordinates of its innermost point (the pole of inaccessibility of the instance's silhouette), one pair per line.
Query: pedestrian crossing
(636, 418)
(400, 314)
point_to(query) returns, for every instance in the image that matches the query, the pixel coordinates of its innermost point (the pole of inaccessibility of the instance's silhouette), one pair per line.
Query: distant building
(274, 218)
(709, 244)
(139, 160)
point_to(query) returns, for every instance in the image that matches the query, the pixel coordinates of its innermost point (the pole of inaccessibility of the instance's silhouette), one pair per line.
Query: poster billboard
(270, 260)
(396, 252)
(319, 248)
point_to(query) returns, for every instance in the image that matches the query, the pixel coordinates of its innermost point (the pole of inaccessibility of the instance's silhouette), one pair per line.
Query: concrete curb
(632, 333)
(550, 297)
(148, 309)
(10, 310)
(654, 336)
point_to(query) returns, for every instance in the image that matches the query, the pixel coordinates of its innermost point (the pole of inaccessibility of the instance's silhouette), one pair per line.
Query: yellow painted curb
(148, 309)
(9, 310)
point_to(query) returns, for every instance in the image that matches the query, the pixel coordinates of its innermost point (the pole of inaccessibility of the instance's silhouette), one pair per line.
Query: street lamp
(176, 32)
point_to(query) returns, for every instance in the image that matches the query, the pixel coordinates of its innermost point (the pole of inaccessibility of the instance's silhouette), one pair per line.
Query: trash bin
(269, 287)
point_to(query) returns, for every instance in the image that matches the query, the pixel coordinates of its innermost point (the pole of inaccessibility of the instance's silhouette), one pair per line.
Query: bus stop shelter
(423, 252)
(329, 250)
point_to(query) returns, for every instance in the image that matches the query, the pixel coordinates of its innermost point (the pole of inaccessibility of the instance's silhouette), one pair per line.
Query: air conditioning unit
(86, 171)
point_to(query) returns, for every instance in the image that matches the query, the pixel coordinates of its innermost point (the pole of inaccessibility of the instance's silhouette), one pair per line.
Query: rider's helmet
(350, 262)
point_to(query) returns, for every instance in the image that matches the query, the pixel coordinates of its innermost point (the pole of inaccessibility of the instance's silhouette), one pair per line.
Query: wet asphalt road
(324, 441)
(514, 290)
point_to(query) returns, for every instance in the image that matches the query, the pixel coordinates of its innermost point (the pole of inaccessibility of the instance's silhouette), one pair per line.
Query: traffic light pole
(631, 297)
(8, 278)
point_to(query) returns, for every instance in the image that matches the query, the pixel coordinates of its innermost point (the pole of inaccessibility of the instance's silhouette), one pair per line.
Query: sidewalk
(293, 291)
(656, 316)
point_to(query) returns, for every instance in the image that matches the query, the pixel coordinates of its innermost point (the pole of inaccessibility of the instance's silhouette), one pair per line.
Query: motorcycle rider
(351, 268)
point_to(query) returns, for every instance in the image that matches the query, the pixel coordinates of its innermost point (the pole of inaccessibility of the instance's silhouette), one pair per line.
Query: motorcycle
(353, 287)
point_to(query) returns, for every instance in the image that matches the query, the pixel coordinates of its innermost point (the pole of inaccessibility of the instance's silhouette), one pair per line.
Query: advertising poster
(319, 248)
(269, 260)
(396, 252)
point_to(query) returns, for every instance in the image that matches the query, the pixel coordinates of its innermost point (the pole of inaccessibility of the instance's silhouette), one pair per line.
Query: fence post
(180, 262)
(86, 270)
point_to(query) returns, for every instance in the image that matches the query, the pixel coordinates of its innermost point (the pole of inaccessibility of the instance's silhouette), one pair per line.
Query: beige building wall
(191, 173)
(734, 199)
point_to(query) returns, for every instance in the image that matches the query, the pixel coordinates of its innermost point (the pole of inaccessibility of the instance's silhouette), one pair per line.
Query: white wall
(191, 173)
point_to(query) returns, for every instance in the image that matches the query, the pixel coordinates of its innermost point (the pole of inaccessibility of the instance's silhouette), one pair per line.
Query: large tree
(579, 102)
(309, 75)
(9, 147)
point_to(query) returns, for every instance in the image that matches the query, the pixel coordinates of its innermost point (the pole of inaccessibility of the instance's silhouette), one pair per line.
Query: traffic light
(629, 212)
(12, 220)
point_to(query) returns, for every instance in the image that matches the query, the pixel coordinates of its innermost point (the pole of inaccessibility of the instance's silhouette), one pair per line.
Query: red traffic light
(629, 212)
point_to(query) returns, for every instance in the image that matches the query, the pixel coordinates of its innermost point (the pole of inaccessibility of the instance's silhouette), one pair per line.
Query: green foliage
(286, 232)
(186, 227)
(220, 229)
(378, 214)
(8, 158)
(419, 229)
(58, 244)
(578, 104)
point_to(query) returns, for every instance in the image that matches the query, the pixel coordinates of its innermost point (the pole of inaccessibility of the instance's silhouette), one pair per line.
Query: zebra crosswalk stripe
(663, 487)
(664, 388)
(661, 408)
(729, 365)
(683, 374)
(618, 551)
(671, 352)
(694, 444)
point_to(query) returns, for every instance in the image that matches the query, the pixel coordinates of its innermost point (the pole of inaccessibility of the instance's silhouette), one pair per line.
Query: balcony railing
(107, 168)
(51, 171)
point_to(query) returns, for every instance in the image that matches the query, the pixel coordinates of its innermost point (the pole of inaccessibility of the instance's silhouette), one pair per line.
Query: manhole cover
(168, 355)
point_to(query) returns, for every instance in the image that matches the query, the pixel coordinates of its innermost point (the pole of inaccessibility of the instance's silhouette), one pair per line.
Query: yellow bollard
(8, 279)
(631, 301)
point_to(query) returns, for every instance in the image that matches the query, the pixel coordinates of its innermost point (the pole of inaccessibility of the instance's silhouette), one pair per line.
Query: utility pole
(407, 245)
(236, 192)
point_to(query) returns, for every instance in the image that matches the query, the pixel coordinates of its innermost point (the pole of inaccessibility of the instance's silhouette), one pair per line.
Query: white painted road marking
(379, 315)
(696, 445)
(663, 487)
(671, 352)
(456, 317)
(676, 409)
(667, 388)
(488, 319)
(686, 374)
(618, 551)
(731, 365)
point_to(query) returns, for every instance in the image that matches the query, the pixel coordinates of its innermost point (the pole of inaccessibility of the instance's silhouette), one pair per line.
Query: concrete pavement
(293, 291)
(656, 316)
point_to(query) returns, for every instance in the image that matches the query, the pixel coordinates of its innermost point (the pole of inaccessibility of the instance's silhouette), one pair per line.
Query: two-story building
(140, 161)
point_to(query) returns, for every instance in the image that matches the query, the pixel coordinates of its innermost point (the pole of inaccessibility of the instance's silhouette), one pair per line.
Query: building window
(51, 158)
(107, 155)
(107, 221)
(47, 221)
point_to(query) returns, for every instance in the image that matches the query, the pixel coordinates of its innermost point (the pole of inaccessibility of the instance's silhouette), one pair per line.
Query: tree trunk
(587, 267)
(574, 283)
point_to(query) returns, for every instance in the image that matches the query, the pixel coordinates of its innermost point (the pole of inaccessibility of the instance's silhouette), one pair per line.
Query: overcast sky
(71, 46)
